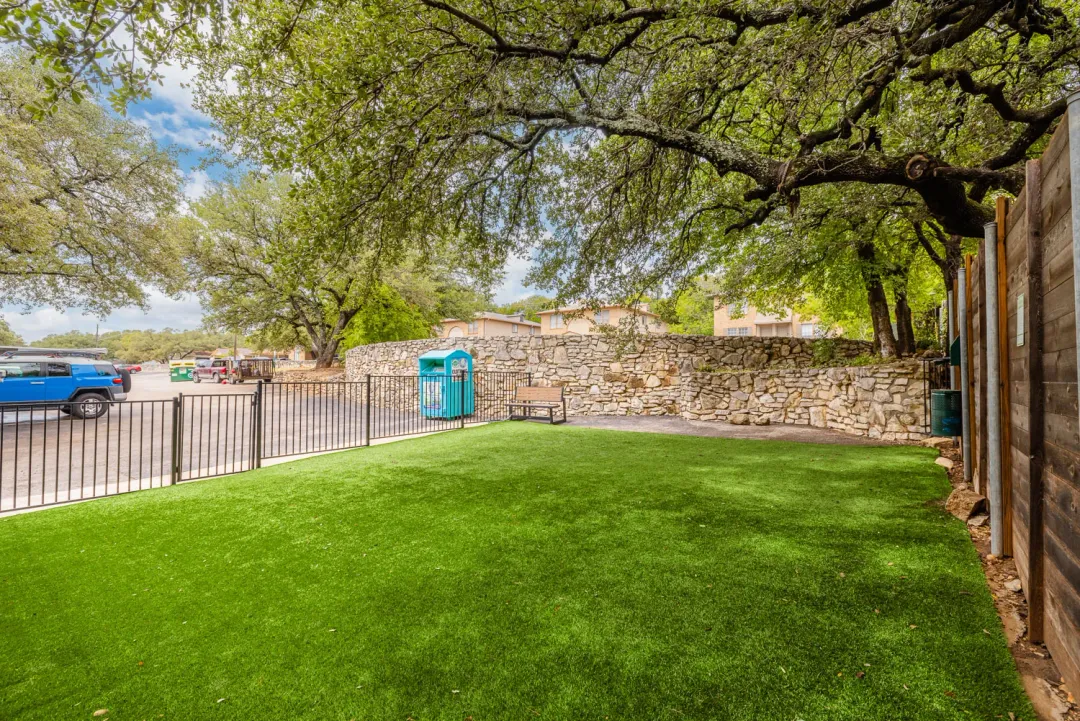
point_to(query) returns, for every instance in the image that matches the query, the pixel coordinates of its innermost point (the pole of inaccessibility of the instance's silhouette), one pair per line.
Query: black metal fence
(300, 418)
(937, 373)
(49, 457)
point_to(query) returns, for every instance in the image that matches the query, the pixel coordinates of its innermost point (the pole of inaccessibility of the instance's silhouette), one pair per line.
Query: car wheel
(196, 379)
(217, 378)
(126, 376)
(89, 405)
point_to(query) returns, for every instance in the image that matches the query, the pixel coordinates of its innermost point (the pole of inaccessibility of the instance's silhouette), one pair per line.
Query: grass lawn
(512, 571)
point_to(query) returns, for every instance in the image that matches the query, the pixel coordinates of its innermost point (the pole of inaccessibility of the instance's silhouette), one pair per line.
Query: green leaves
(86, 200)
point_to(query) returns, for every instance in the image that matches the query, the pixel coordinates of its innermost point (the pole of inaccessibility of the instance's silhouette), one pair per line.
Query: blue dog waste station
(445, 382)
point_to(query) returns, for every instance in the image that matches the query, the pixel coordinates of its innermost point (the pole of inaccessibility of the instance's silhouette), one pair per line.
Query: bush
(824, 351)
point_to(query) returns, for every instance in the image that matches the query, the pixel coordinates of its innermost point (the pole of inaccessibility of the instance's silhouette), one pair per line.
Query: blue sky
(172, 120)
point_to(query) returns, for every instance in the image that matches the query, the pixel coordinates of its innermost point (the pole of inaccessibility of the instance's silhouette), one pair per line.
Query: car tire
(89, 406)
(195, 378)
(126, 375)
(217, 378)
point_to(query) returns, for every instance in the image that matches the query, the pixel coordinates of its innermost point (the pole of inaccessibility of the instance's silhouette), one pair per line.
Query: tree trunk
(326, 352)
(905, 328)
(878, 301)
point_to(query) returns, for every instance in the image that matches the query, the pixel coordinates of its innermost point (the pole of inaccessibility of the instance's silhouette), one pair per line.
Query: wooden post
(1036, 400)
(1003, 355)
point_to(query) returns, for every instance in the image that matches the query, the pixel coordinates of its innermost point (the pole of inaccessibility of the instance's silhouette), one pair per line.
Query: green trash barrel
(945, 413)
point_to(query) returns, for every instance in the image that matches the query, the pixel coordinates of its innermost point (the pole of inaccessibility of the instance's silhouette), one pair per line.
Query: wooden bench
(537, 403)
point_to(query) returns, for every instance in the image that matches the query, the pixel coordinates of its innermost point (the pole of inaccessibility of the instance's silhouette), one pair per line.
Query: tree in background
(851, 257)
(132, 346)
(7, 335)
(273, 262)
(529, 306)
(690, 311)
(169, 344)
(410, 308)
(110, 340)
(85, 199)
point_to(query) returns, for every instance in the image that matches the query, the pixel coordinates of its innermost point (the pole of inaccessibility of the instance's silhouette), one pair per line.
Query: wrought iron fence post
(367, 410)
(257, 426)
(464, 375)
(177, 437)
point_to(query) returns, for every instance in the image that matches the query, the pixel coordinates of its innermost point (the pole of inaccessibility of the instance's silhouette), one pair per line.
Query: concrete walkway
(717, 429)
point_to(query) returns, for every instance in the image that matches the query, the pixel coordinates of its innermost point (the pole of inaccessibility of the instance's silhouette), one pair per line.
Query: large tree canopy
(643, 133)
(85, 200)
(639, 134)
(266, 265)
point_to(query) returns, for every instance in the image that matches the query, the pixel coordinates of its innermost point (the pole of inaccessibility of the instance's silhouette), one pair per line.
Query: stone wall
(600, 377)
(883, 401)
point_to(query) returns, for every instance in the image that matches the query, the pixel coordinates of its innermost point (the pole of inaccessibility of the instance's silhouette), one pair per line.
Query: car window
(219, 364)
(10, 369)
(104, 369)
(59, 370)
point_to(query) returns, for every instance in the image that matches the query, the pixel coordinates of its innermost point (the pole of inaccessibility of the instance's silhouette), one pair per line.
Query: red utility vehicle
(227, 370)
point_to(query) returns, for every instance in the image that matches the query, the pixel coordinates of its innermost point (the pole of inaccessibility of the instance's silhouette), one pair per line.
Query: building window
(737, 310)
(602, 317)
(513, 328)
(741, 330)
(808, 330)
(474, 326)
(556, 320)
(532, 330)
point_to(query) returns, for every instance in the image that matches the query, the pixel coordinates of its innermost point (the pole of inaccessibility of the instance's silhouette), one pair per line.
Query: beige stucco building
(487, 325)
(746, 320)
(583, 321)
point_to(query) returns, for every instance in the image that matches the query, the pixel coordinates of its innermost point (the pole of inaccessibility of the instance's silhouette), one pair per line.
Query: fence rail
(49, 457)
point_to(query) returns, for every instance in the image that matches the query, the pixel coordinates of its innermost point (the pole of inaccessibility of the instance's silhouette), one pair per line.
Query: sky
(172, 119)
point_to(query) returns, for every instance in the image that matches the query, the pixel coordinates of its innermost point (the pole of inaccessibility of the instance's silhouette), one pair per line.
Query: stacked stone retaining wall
(884, 401)
(600, 376)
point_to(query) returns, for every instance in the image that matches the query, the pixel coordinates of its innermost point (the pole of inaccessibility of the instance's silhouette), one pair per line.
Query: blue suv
(78, 386)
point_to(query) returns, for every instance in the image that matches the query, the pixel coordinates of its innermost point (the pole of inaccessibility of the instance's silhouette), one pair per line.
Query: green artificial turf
(513, 571)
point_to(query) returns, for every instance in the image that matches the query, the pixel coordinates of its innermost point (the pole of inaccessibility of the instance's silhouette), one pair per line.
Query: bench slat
(539, 393)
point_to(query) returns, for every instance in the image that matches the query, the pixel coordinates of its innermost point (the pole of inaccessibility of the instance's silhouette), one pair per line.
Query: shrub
(824, 351)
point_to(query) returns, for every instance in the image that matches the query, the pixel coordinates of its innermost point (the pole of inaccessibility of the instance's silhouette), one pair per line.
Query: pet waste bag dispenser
(446, 384)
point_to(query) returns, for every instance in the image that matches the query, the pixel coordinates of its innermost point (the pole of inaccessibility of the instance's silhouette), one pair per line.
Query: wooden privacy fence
(1040, 446)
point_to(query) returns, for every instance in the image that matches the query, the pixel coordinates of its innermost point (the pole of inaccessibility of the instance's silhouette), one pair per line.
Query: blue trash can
(446, 384)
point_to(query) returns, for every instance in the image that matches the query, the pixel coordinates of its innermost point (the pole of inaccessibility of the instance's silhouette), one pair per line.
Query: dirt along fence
(1026, 265)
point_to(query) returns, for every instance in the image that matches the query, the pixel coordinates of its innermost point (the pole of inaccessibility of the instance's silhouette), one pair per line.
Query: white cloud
(196, 184)
(183, 313)
(176, 127)
(176, 89)
(513, 286)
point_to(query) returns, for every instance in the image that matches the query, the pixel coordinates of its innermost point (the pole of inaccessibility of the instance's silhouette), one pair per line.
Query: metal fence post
(257, 426)
(177, 437)
(367, 410)
(464, 376)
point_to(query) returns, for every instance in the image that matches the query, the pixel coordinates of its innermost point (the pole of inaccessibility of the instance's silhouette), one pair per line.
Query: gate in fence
(49, 457)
